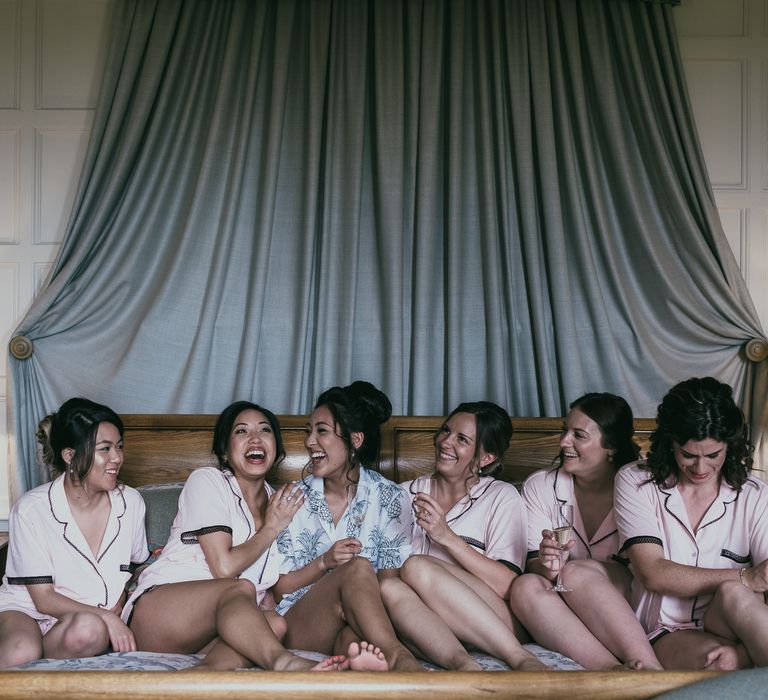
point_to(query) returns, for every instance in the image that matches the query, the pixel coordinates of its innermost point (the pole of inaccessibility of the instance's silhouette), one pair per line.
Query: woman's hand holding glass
(341, 552)
(556, 543)
(550, 552)
(431, 517)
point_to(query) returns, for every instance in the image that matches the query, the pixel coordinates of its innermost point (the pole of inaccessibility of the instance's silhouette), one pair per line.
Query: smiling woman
(221, 557)
(694, 525)
(73, 543)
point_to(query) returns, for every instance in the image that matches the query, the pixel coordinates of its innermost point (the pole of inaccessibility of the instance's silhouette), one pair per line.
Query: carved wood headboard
(163, 448)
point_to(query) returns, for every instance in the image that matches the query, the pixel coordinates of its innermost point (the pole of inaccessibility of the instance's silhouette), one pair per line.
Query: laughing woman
(593, 622)
(354, 523)
(471, 543)
(221, 557)
(72, 543)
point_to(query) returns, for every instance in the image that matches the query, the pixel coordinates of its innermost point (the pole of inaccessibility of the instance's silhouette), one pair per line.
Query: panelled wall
(52, 53)
(51, 56)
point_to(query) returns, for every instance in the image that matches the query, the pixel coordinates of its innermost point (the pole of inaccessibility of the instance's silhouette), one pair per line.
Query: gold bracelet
(741, 578)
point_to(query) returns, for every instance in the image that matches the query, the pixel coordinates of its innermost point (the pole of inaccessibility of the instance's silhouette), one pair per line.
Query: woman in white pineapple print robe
(353, 525)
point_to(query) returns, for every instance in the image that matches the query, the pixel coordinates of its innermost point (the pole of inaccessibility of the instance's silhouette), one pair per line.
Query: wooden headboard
(166, 448)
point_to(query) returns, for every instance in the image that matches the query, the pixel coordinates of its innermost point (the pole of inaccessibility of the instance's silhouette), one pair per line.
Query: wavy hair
(697, 409)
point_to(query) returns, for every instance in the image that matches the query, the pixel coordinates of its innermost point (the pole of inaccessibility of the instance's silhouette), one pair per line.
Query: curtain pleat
(453, 199)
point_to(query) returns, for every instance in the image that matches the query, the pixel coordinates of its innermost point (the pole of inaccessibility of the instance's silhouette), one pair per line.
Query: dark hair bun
(372, 400)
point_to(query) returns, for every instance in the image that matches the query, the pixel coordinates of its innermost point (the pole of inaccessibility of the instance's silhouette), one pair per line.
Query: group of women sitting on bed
(665, 568)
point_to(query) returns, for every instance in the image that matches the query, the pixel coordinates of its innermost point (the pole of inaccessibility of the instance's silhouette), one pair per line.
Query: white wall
(52, 52)
(51, 56)
(724, 45)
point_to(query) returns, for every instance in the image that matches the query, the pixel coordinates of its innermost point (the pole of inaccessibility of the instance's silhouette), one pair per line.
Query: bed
(161, 450)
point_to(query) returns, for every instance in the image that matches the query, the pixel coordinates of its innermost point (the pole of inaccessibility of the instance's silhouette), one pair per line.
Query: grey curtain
(454, 199)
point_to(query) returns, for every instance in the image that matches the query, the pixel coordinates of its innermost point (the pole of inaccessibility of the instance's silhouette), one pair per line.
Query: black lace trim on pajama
(642, 539)
(472, 541)
(29, 580)
(190, 537)
(740, 558)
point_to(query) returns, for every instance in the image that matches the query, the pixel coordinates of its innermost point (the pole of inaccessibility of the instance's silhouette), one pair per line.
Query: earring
(610, 458)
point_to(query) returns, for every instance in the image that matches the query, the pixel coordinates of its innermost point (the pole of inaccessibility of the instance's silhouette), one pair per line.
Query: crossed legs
(225, 610)
(348, 596)
(735, 634)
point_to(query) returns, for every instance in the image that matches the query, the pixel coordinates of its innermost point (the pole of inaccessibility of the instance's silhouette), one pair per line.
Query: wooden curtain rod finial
(21, 347)
(756, 349)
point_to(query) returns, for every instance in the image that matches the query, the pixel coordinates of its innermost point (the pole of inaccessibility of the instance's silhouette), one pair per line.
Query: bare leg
(454, 595)
(20, 639)
(222, 657)
(686, 650)
(76, 635)
(224, 608)
(422, 629)
(348, 595)
(739, 615)
(598, 598)
(553, 625)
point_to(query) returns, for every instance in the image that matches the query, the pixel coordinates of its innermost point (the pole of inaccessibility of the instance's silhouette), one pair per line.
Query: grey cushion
(162, 501)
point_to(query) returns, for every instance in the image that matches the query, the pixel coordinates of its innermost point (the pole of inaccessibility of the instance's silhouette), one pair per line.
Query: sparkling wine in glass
(562, 526)
(425, 484)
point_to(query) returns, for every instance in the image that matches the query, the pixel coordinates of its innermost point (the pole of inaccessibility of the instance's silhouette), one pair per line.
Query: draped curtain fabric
(453, 199)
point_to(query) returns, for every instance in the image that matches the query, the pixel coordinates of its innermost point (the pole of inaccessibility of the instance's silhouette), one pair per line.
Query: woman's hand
(120, 636)
(340, 553)
(282, 506)
(431, 518)
(551, 554)
(756, 578)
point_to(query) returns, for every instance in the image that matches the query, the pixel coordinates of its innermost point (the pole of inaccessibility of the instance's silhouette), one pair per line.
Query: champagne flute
(425, 485)
(562, 519)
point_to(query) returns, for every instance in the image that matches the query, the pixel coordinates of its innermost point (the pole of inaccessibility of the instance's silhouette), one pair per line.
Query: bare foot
(292, 662)
(722, 658)
(366, 657)
(332, 663)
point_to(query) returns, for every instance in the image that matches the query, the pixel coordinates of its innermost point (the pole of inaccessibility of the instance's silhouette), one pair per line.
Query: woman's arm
(340, 552)
(661, 575)
(430, 516)
(226, 561)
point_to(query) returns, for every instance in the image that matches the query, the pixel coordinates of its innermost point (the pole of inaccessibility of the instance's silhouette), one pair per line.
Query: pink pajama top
(491, 519)
(211, 501)
(733, 534)
(544, 489)
(47, 547)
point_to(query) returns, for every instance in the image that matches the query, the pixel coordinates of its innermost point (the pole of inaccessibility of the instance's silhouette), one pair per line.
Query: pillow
(162, 501)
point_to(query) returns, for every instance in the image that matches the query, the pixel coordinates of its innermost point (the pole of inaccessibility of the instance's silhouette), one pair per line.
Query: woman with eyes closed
(207, 589)
(593, 622)
(73, 542)
(469, 545)
(694, 526)
(354, 524)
